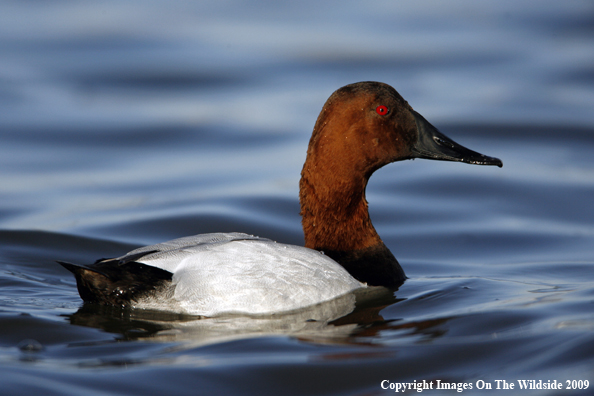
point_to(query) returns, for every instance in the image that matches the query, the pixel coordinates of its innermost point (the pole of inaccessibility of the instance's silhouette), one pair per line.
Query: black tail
(109, 282)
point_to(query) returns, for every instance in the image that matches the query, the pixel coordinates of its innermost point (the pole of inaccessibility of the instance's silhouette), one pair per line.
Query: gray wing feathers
(195, 243)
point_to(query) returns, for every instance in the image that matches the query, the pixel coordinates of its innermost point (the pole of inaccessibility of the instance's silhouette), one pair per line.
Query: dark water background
(129, 123)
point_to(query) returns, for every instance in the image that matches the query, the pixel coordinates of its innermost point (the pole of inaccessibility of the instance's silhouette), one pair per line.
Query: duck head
(369, 125)
(362, 127)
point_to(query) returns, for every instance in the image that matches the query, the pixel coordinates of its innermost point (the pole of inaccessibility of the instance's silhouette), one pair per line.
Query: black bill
(432, 144)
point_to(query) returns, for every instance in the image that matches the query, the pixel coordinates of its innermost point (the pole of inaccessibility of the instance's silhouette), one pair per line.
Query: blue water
(129, 123)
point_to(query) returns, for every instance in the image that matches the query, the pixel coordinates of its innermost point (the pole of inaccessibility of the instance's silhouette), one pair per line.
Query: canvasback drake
(362, 127)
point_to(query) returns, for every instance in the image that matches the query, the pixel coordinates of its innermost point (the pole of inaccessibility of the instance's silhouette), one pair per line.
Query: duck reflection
(334, 321)
(354, 318)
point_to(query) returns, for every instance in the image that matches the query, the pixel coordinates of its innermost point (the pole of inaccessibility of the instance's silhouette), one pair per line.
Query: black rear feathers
(118, 282)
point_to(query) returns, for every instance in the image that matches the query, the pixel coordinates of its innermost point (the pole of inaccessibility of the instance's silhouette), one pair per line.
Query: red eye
(381, 110)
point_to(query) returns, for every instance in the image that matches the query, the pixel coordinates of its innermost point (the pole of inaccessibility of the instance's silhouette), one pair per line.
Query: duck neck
(336, 221)
(334, 213)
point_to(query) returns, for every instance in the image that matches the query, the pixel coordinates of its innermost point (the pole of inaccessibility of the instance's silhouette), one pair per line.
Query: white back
(240, 273)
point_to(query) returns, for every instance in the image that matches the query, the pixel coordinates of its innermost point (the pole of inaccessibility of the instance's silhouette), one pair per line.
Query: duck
(361, 128)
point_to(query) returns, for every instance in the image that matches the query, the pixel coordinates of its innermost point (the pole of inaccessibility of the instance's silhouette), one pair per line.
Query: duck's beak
(432, 144)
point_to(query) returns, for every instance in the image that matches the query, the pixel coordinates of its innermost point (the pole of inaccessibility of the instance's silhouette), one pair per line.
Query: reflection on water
(333, 321)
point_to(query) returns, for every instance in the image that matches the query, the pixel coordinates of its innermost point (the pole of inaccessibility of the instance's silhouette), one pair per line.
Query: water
(125, 124)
